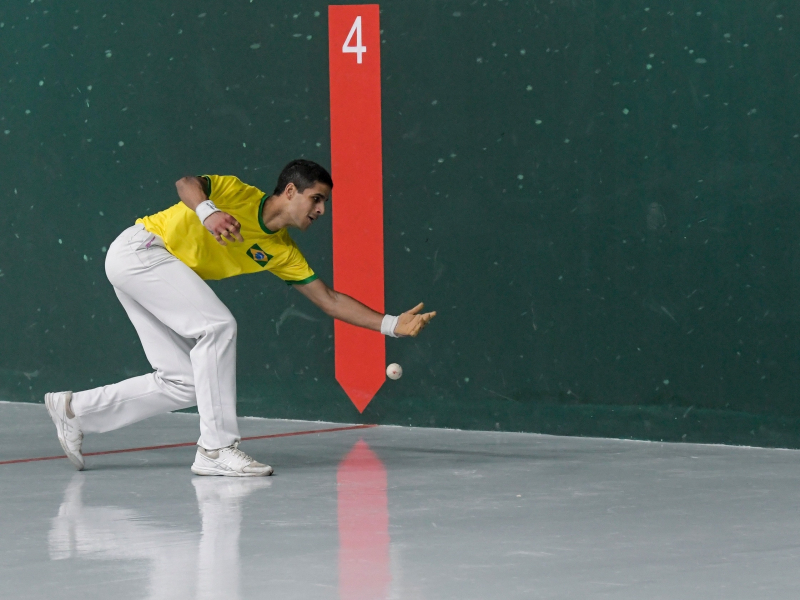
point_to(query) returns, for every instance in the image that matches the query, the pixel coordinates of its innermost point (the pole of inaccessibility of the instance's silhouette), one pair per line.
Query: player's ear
(290, 190)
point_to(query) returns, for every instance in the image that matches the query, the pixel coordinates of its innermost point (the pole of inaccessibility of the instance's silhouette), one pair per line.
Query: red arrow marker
(357, 209)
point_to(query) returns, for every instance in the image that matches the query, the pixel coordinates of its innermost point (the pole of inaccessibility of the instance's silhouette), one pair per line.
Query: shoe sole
(75, 460)
(202, 471)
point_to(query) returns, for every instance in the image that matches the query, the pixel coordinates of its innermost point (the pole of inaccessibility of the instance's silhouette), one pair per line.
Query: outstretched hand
(223, 227)
(411, 322)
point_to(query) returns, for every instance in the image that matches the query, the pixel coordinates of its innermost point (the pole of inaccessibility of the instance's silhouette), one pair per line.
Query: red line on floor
(188, 444)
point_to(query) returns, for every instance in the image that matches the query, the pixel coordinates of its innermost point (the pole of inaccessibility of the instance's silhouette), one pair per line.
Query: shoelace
(238, 453)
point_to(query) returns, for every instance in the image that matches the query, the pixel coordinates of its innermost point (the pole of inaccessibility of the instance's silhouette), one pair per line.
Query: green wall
(599, 199)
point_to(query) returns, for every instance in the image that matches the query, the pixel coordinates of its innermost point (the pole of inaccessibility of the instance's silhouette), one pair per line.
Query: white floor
(392, 512)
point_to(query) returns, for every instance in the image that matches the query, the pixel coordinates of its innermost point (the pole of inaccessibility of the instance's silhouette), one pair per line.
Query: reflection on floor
(363, 512)
(392, 513)
(120, 534)
(181, 566)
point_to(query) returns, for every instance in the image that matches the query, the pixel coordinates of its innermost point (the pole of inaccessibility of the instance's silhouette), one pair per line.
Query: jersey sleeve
(293, 268)
(224, 190)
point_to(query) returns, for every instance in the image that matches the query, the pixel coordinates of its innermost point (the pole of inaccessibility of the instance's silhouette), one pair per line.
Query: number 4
(358, 48)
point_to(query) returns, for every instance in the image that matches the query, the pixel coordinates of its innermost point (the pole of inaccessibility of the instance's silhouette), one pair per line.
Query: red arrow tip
(361, 393)
(360, 362)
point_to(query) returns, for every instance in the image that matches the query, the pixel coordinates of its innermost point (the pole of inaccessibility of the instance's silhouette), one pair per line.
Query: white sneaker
(69, 430)
(229, 461)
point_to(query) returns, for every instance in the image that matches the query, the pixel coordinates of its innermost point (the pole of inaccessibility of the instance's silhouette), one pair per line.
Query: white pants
(188, 335)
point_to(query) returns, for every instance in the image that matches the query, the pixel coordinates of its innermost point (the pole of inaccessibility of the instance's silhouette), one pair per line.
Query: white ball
(394, 371)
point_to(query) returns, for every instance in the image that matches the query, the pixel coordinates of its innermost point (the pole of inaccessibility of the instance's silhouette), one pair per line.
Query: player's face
(309, 205)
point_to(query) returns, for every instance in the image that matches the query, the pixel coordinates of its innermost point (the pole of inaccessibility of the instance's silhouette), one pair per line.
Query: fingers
(221, 235)
(422, 321)
(411, 323)
(416, 327)
(416, 309)
(417, 324)
(230, 230)
(227, 230)
(428, 316)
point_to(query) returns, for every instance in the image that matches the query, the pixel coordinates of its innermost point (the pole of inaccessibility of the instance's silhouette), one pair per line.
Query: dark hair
(303, 174)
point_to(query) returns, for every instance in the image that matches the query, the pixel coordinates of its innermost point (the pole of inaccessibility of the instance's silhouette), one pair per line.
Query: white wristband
(205, 210)
(388, 324)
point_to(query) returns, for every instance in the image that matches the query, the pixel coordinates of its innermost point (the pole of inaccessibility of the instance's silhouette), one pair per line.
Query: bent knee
(224, 328)
(181, 388)
(230, 325)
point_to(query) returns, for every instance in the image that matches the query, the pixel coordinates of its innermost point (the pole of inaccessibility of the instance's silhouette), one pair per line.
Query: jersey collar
(261, 216)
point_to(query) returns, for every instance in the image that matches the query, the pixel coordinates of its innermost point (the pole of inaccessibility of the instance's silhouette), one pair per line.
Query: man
(220, 228)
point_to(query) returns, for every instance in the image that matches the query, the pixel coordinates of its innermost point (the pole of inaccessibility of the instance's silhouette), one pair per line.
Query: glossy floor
(389, 512)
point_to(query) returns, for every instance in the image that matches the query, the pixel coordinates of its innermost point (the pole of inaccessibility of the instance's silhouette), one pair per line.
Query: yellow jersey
(262, 250)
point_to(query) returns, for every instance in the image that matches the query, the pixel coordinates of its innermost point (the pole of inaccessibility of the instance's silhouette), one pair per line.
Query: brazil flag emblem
(258, 255)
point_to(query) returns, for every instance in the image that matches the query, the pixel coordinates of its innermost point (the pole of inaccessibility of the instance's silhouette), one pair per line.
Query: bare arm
(192, 191)
(343, 307)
